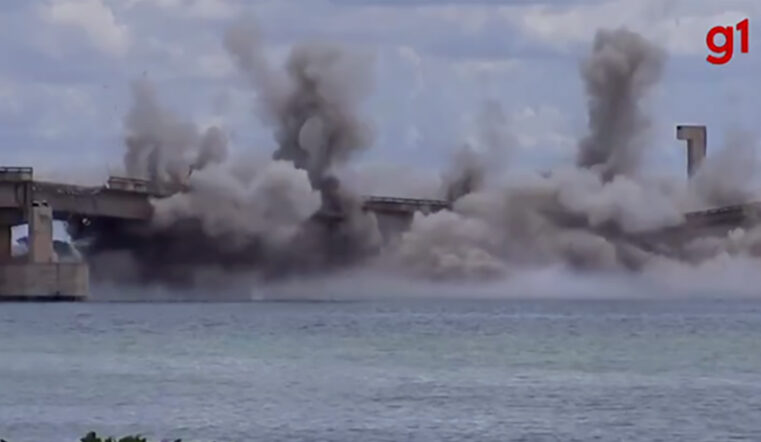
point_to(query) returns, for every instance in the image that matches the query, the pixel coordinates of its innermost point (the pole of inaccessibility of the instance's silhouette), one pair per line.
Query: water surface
(383, 371)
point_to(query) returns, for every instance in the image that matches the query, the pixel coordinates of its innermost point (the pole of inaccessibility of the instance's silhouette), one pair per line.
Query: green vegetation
(92, 437)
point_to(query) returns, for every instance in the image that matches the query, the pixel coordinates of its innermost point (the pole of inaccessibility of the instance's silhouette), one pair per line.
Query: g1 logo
(723, 53)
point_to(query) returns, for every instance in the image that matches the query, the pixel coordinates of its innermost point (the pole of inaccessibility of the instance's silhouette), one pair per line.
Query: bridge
(120, 201)
(129, 200)
(123, 201)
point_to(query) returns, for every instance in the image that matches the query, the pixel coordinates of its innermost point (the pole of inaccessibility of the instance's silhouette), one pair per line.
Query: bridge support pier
(5, 243)
(39, 277)
(40, 234)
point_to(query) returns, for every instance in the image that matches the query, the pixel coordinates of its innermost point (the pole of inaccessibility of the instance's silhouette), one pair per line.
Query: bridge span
(130, 200)
(119, 203)
(126, 203)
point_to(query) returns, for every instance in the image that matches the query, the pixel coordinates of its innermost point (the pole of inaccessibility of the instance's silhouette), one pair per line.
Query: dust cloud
(313, 102)
(160, 147)
(297, 218)
(244, 215)
(597, 217)
(621, 70)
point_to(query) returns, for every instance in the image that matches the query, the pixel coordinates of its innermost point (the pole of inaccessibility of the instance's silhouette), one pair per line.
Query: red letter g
(726, 51)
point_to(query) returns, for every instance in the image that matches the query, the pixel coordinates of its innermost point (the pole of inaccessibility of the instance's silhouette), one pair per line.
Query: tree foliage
(93, 437)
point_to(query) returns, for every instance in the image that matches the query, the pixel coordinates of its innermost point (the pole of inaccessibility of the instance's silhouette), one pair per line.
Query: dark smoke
(597, 217)
(471, 167)
(621, 70)
(585, 218)
(467, 174)
(160, 147)
(313, 101)
(290, 215)
(269, 218)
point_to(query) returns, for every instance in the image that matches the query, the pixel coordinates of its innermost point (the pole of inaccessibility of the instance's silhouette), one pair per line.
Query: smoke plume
(290, 215)
(314, 105)
(471, 166)
(727, 177)
(272, 202)
(621, 70)
(466, 175)
(585, 218)
(266, 217)
(313, 102)
(160, 147)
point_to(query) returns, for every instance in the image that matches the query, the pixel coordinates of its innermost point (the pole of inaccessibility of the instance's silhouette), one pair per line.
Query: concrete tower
(696, 145)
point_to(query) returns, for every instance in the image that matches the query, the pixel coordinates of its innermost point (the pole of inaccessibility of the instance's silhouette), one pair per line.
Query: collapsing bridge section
(119, 213)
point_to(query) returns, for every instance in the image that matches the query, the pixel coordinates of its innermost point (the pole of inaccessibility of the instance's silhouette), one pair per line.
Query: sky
(67, 66)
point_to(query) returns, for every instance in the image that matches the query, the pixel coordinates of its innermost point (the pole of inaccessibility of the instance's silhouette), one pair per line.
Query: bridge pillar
(696, 138)
(40, 233)
(5, 243)
(41, 278)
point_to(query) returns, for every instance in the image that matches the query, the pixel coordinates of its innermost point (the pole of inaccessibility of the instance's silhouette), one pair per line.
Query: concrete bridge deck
(128, 199)
(121, 201)
(133, 203)
(122, 204)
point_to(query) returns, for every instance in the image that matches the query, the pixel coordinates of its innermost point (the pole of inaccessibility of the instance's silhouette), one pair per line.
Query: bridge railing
(724, 214)
(407, 201)
(16, 174)
(128, 184)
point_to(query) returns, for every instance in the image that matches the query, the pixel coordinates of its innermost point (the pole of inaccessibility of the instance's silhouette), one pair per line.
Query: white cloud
(681, 31)
(217, 65)
(468, 18)
(543, 127)
(64, 102)
(202, 9)
(486, 67)
(439, 61)
(412, 57)
(95, 18)
(412, 137)
(10, 101)
(212, 9)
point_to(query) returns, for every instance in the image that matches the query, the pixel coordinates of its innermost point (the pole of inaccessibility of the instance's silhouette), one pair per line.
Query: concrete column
(5, 243)
(41, 233)
(696, 138)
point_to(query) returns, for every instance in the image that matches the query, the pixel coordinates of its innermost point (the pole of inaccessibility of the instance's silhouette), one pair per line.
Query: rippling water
(384, 371)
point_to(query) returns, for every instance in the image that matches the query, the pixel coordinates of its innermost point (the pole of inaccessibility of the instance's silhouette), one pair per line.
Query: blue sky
(67, 64)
